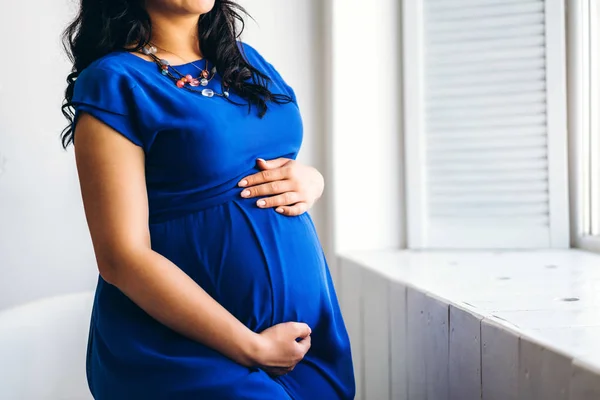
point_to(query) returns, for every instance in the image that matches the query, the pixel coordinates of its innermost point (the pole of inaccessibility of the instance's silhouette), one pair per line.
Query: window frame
(583, 35)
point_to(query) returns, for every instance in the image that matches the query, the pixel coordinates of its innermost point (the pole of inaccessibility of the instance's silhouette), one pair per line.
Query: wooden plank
(416, 302)
(543, 373)
(499, 362)
(376, 355)
(464, 354)
(585, 382)
(351, 305)
(398, 349)
(436, 349)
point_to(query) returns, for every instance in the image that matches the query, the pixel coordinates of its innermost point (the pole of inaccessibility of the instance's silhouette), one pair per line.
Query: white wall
(366, 150)
(44, 243)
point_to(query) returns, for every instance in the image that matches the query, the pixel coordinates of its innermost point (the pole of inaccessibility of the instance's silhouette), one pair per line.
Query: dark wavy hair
(103, 26)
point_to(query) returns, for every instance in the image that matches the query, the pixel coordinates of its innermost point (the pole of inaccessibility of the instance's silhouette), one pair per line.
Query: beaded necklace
(186, 81)
(204, 77)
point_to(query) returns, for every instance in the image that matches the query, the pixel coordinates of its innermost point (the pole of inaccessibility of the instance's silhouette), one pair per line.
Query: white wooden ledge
(473, 325)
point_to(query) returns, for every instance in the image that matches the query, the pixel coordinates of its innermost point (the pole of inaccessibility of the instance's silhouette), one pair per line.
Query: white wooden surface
(398, 349)
(376, 347)
(543, 373)
(585, 382)
(499, 362)
(472, 325)
(351, 305)
(465, 354)
(437, 348)
(415, 344)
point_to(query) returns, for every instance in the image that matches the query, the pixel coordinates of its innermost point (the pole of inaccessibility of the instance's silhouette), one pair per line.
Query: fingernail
(279, 210)
(262, 159)
(243, 183)
(261, 203)
(245, 193)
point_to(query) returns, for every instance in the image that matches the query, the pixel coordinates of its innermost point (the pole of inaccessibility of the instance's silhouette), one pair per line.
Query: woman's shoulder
(107, 83)
(104, 90)
(115, 66)
(106, 77)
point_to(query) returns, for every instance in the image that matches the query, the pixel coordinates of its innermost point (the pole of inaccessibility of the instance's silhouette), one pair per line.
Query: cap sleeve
(107, 95)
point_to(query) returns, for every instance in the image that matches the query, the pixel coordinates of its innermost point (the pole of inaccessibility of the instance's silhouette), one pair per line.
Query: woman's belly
(265, 268)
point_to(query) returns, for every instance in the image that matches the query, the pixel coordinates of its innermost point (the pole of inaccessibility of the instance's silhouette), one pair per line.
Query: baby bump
(265, 268)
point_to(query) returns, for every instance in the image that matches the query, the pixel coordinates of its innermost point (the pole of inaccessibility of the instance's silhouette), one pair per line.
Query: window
(485, 124)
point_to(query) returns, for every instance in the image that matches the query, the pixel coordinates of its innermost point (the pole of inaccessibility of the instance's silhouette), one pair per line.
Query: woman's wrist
(251, 346)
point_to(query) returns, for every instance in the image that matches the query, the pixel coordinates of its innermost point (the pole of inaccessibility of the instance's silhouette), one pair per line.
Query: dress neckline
(185, 65)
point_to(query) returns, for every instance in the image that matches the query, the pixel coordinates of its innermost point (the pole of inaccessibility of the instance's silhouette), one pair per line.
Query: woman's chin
(199, 6)
(182, 6)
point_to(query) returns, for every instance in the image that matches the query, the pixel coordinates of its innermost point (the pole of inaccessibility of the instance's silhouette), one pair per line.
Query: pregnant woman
(213, 283)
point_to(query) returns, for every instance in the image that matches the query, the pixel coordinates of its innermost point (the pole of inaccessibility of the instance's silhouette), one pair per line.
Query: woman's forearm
(170, 296)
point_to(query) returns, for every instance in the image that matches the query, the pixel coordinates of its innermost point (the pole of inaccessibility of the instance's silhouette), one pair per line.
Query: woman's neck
(176, 35)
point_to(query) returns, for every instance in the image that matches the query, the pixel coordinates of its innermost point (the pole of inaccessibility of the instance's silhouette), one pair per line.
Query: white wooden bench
(470, 325)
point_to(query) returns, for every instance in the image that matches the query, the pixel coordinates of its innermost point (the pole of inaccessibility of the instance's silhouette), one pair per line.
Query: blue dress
(265, 268)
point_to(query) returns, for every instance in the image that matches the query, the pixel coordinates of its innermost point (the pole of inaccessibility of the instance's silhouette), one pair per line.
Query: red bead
(189, 78)
(204, 74)
(165, 67)
(180, 83)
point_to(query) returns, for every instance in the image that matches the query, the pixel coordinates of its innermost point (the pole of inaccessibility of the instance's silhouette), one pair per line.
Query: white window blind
(485, 123)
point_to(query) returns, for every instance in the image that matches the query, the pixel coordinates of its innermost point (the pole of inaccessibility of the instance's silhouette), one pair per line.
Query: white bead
(208, 92)
(204, 81)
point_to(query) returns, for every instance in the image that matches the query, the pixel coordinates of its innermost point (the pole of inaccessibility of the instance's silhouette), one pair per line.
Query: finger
(291, 211)
(304, 346)
(277, 371)
(268, 175)
(268, 189)
(270, 164)
(284, 199)
(302, 330)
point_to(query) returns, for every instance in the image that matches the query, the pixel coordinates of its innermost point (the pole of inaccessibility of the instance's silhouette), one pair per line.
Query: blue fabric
(265, 268)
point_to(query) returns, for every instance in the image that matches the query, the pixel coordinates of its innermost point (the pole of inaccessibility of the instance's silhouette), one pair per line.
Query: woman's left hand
(289, 186)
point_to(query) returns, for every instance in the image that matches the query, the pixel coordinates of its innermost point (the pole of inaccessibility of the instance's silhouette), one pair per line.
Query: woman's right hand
(278, 351)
